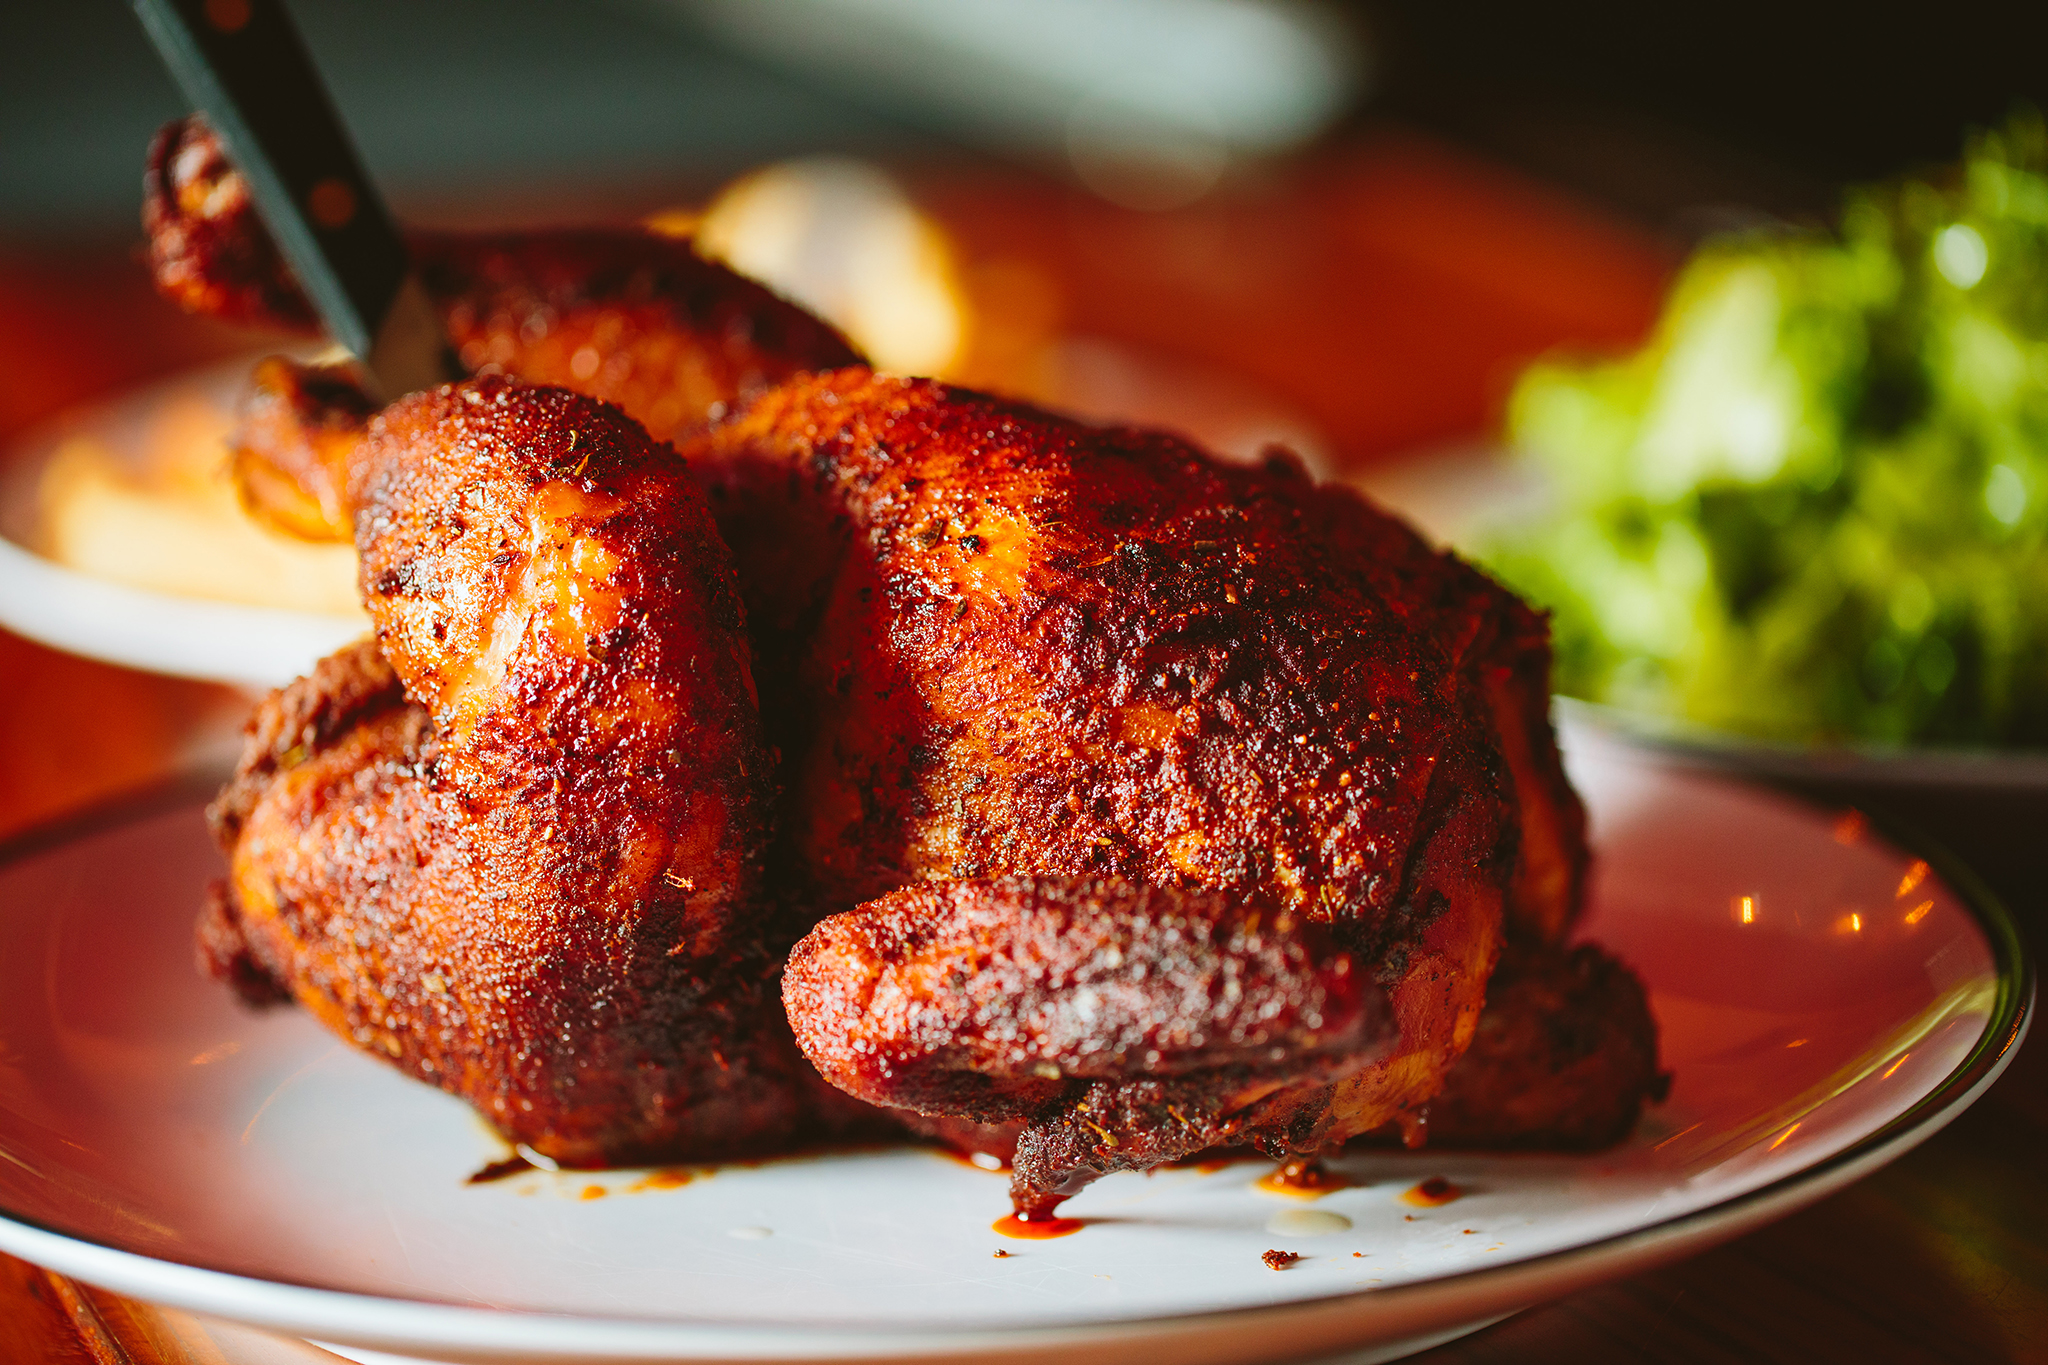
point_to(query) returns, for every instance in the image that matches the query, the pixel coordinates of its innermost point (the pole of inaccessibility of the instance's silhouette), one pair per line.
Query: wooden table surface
(1449, 272)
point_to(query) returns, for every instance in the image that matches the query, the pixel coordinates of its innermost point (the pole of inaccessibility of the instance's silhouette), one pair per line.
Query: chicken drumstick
(515, 844)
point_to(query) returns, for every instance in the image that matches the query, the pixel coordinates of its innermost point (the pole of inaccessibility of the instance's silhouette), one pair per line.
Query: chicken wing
(628, 316)
(984, 999)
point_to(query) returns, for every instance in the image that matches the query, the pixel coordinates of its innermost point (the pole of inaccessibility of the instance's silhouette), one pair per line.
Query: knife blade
(243, 64)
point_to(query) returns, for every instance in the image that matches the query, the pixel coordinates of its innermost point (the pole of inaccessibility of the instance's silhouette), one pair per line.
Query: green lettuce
(1814, 507)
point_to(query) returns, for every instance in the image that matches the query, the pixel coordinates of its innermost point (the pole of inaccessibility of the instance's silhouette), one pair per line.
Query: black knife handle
(243, 64)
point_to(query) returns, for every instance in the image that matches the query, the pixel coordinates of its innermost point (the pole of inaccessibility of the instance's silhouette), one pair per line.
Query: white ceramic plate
(1826, 1001)
(137, 627)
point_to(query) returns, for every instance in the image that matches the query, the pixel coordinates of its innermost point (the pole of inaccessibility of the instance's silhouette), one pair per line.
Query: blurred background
(1660, 111)
(1227, 147)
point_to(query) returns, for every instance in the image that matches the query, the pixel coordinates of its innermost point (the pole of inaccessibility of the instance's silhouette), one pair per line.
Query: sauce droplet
(668, 1178)
(1037, 1229)
(501, 1170)
(1432, 1193)
(1302, 1180)
(1307, 1223)
(593, 1192)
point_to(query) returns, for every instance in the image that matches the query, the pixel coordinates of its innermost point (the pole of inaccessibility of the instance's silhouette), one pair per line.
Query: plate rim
(163, 632)
(1864, 761)
(533, 1334)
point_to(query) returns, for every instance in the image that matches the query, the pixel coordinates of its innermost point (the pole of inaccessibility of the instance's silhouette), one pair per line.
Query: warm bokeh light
(839, 237)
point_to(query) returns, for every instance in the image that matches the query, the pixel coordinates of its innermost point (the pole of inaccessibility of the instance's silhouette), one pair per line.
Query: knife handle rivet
(229, 16)
(331, 202)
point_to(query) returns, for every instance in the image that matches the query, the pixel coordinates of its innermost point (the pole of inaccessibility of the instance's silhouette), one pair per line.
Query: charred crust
(1564, 1057)
(299, 720)
(223, 953)
(208, 250)
(1000, 644)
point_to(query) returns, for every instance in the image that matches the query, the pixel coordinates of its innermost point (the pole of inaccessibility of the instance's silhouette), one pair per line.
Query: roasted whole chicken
(1089, 800)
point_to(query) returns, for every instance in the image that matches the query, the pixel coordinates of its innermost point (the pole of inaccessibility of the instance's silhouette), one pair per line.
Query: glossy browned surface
(1501, 648)
(1049, 649)
(207, 247)
(987, 996)
(627, 316)
(296, 452)
(583, 308)
(1564, 1057)
(300, 434)
(1494, 643)
(641, 321)
(1008, 645)
(522, 859)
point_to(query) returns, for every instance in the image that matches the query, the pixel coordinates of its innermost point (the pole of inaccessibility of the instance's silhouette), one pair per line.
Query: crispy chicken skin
(295, 450)
(1502, 649)
(636, 319)
(207, 249)
(675, 340)
(515, 844)
(989, 999)
(1023, 645)
(1020, 646)
(1564, 1058)
(1094, 1024)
